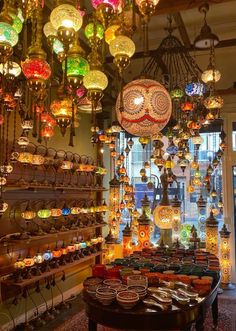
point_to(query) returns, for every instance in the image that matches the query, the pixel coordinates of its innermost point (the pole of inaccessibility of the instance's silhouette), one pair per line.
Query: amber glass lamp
(212, 234)
(62, 111)
(225, 262)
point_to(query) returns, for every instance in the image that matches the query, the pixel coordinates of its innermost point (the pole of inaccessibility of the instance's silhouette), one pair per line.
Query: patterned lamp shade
(146, 107)
(66, 16)
(163, 216)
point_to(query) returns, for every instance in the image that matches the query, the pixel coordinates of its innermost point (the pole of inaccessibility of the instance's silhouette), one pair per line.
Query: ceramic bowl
(137, 280)
(91, 290)
(140, 289)
(104, 301)
(92, 281)
(106, 292)
(119, 288)
(111, 282)
(127, 296)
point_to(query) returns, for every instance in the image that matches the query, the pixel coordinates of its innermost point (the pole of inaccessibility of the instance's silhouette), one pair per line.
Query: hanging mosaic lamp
(122, 48)
(62, 111)
(8, 39)
(90, 32)
(146, 107)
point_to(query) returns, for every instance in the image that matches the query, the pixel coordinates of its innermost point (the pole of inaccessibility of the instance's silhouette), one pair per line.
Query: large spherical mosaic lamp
(146, 107)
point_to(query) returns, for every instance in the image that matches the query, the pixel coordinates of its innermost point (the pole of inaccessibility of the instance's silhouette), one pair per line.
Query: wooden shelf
(33, 241)
(34, 279)
(53, 188)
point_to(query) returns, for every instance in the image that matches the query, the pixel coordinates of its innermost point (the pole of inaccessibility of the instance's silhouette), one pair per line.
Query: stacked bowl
(141, 290)
(105, 295)
(127, 299)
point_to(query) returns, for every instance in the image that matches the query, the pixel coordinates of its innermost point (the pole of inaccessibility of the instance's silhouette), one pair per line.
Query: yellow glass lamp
(110, 33)
(122, 48)
(67, 20)
(95, 81)
(225, 262)
(212, 234)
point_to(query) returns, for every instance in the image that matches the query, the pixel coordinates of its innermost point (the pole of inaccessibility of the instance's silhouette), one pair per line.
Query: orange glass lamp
(176, 207)
(114, 199)
(163, 213)
(225, 259)
(144, 231)
(127, 241)
(212, 234)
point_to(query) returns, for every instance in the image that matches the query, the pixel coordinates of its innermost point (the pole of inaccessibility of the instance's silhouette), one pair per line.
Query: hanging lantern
(56, 212)
(211, 76)
(90, 32)
(95, 82)
(50, 33)
(62, 111)
(10, 68)
(37, 71)
(176, 94)
(212, 234)
(197, 140)
(8, 39)
(213, 102)
(195, 89)
(146, 107)
(122, 48)
(77, 68)
(147, 7)
(67, 20)
(110, 33)
(85, 106)
(47, 132)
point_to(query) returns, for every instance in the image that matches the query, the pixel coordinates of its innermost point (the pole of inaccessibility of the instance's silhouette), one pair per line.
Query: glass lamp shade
(66, 16)
(85, 106)
(3, 206)
(146, 107)
(44, 213)
(38, 160)
(47, 256)
(10, 68)
(47, 132)
(19, 264)
(176, 93)
(122, 45)
(28, 214)
(20, 15)
(3, 181)
(110, 33)
(16, 24)
(95, 80)
(27, 124)
(211, 75)
(76, 66)
(197, 140)
(90, 31)
(29, 261)
(61, 108)
(57, 46)
(213, 102)
(36, 68)
(114, 3)
(56, 253)
(56, 212)
(6, 168)
(195, 89)
(66, 165)
(38, 258)
(25, 157)
(49, 30)
(75, 210)
(66, 211)
(8, 34)
(187, 106)
(163, 216)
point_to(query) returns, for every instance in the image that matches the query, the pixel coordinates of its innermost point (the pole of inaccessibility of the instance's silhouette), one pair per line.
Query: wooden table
(144, 318)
